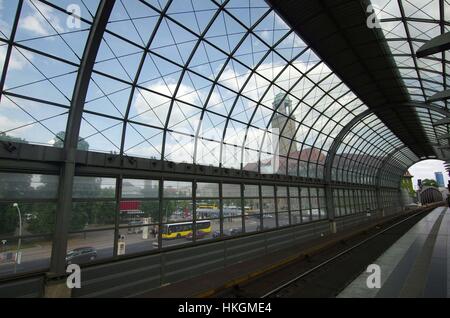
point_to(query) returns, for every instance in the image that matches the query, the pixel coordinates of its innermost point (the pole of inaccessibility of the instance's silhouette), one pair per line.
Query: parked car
(200, 235)
(81, 255)
(235, 231)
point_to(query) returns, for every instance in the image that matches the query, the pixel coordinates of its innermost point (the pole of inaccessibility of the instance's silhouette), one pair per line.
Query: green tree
(12, 186)
(430, 183)
(151, 209)
(408, 186)
(42, 218)
(79, 217)
(93, 212)
(61, 136)
(8, 219)
(103, 212)
(5, 137)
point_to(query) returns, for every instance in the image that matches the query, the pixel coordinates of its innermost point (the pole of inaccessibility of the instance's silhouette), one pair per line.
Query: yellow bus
(207, 206)
(178, 230)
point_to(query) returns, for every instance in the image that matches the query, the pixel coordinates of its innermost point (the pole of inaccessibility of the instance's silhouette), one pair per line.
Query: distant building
(290, 158)
(440, 179)
(285, 124)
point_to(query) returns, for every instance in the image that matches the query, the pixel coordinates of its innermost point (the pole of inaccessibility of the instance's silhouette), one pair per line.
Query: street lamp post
(16, 205)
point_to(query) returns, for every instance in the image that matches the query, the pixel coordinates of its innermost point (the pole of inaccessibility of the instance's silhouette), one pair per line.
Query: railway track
(330, 271)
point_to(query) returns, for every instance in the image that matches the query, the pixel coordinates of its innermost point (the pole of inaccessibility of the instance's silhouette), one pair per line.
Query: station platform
(212, 283)
(415, 266)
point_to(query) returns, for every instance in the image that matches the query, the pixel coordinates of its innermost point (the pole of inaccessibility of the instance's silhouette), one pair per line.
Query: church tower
(284, 124)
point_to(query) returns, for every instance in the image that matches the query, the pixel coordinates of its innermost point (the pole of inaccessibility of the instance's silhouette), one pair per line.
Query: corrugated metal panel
(136, 275)
(193, 261)
(23, 288)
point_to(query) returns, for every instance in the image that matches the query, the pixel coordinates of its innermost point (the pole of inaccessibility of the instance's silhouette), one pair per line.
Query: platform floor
(415, 266)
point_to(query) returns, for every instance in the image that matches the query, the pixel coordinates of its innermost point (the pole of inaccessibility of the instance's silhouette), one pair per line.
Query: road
(36, 256)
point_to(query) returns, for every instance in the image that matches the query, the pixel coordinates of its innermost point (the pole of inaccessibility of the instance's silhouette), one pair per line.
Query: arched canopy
(205, 82)
(112, 106)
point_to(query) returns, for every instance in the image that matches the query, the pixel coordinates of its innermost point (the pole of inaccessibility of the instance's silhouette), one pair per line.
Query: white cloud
(37, 24)
(33, 24)
(7, 124)
(209, 151)
(16, 61)
(160, 104)
(426, 169)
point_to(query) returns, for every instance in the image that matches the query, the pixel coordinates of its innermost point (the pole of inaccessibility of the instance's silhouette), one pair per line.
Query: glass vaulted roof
(222, 83)
(408, 25)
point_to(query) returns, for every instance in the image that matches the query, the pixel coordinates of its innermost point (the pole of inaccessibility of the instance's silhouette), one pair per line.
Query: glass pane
(176, 233)
(28, 186)
(282, 192)
(24, 255)
(93, 187)
(232, 207)
(139, 212)
(177, 210)
(92, 215)
(269, 221)
(177, 189)
(137, 239)
(252, 223)
(282, 204)
(207, 209)
(296, 217)
(251, 191)
(133, 188)
(306, 216)
(231, 190)
(268, 205)
(232, 226)
(87, 247)
(205, 233)
(293, 192)
(283, 219)
(267, 191)
(207, 190)
(32, 218)
(252, 207)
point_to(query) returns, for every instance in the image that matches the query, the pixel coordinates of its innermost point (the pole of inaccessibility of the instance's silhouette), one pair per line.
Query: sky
(426, 169)
(208, 122)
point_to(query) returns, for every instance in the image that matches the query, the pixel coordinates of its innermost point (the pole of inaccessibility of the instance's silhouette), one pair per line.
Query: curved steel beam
(380, 171)
(330, 158)
(338, 141)
(64, 205)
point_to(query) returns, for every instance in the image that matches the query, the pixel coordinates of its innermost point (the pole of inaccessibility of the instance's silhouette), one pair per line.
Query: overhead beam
(358, 55)
(444, 95)
(330, 159)
(443, 121)
(435, 45)
(64, 204)
(446, 136)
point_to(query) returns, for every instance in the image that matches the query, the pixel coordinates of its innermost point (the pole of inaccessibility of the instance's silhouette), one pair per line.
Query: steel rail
(315, 268)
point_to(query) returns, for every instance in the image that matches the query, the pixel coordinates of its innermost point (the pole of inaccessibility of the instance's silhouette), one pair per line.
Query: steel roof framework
(198, 86)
